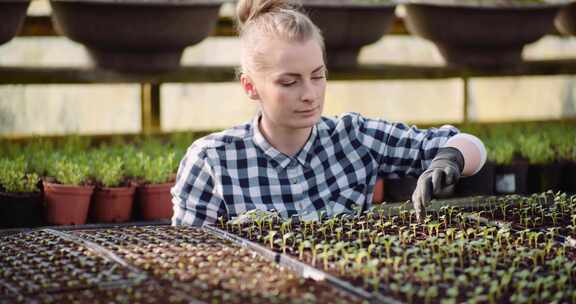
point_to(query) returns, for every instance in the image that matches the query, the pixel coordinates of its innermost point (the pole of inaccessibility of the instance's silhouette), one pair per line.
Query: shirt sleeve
(401, 149)
(195, 200)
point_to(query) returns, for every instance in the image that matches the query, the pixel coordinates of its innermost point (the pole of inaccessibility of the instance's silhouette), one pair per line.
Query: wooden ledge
(205, 74)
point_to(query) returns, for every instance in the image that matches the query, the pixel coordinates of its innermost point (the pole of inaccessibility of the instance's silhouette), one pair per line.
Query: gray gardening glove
(440, 177)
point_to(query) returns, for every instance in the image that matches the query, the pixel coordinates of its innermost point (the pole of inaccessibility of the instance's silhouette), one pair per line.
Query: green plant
(134, 162)
(158, 169)
(70, 172)
(537, 148)
(14, 177)
(74, 144)
(500, 150)
(108, 170)
(564, 142)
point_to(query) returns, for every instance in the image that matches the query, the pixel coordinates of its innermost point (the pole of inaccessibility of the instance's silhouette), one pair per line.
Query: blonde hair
(265, 19)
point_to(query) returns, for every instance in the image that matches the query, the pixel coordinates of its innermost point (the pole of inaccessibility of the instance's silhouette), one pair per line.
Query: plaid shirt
(237, 170)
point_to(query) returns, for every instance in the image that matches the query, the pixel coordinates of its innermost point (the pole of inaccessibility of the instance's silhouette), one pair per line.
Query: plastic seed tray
(211, 268)
(41, 262)
(145, 292)
(454, 256)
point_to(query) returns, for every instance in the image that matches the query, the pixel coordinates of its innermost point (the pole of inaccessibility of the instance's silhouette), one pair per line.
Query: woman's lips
(307, 112)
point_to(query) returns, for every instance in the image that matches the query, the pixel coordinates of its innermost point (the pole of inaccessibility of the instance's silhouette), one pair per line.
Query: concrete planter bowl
(349, 25)
(489, 34)
(133, 35)
(12, 14)
(566, 19)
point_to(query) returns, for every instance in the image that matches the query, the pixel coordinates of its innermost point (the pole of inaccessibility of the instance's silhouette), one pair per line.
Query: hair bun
(247, 10)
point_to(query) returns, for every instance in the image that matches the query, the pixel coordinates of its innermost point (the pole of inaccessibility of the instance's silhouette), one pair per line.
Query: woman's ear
(249, 87)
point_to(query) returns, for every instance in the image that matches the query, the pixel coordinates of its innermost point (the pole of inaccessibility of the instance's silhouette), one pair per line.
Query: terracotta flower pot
(12, 14)
(19, 210)
(474, 35)
(378, 196)
(112, 204)
(65, 204)
(155, 201)
(348, 25)
(135, 35)
(566, 19)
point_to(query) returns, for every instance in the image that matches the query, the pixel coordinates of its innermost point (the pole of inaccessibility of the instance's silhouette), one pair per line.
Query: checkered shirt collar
(279, 158)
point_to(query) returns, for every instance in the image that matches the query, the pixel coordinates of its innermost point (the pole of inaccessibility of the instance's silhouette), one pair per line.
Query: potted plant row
(522, 158)
(83, 183)
(533, 158)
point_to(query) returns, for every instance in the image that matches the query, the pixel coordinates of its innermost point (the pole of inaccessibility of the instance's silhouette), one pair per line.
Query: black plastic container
(511, 178)
(19, 210)
(481, 183)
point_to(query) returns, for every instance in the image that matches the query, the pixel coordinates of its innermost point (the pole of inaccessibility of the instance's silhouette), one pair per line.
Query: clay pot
(348, 25)
(65, 204)
(155, 201)
(112, 204)
(378, 196)
(474, 35)
(566, 19)
(20, 210)
(12, 14)
(135, 35)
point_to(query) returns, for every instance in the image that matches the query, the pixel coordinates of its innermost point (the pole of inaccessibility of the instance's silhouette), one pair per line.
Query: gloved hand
(442, 174)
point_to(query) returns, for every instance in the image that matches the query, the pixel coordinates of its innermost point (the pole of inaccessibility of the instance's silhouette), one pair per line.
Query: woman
(292, 160)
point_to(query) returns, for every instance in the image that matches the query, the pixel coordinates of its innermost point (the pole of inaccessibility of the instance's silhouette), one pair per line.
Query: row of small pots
(519, 177)
(61, 204)
(132, 35)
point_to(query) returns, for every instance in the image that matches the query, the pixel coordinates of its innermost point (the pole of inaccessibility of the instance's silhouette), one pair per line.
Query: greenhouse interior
(148, 155)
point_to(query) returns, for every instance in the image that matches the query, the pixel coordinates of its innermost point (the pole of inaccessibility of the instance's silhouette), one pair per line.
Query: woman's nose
(309, 92)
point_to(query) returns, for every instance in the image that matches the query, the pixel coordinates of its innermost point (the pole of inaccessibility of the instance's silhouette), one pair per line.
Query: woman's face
(291, 84)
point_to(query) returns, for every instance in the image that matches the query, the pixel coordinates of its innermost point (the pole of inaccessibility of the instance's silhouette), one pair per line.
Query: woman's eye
(318, 77)
(287, 84)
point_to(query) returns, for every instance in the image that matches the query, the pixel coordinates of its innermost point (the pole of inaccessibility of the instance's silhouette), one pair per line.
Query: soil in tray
(209, 268)
(145, 292)
(448, 257)
(38, 261)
